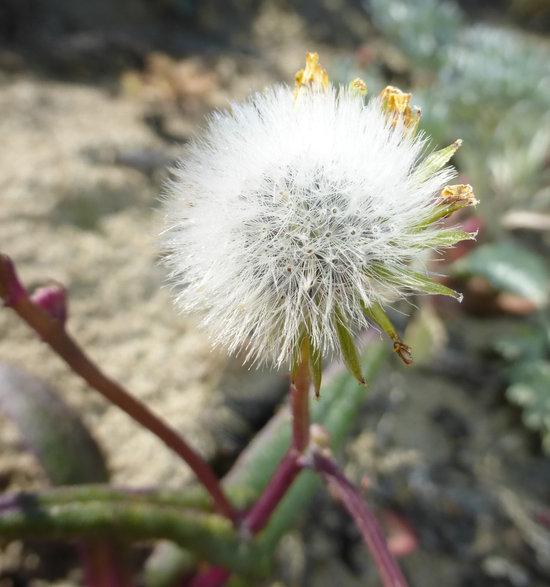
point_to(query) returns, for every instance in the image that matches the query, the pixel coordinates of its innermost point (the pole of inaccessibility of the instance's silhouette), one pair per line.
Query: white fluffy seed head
(285, 216)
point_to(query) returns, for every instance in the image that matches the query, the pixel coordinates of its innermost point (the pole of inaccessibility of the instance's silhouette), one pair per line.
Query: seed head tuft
(297, 215)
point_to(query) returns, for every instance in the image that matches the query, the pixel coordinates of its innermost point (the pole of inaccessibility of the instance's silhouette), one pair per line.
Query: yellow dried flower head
(313, 75)
(359, 87)
(397, 106)
(458, 193)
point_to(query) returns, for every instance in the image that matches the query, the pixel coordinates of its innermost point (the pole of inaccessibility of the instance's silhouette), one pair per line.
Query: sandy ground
(92, 226)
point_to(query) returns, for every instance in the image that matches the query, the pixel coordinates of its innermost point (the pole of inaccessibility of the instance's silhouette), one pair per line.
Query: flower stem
(54, 334)
(363, 517)
(281, 480)
(299, 401)
(290, 465)
(104, 564)
(214, 577)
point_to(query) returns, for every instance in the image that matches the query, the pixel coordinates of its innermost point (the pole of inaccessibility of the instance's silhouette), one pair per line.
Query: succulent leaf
(376, 313)
(435, 162)
(447, 237)
(415, 281)
(349, 351)
(315, 368)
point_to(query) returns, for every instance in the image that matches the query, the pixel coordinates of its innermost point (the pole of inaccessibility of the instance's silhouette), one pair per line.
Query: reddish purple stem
(104, 564)
(371, 532)
(299, 403)
(214, 577)
(290, 465)
(11, 290)
(278, 485)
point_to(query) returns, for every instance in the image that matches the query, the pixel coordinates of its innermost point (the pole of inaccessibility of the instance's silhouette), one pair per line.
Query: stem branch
(371, 532)
(214, 577)
(282, 479)
(290, 465)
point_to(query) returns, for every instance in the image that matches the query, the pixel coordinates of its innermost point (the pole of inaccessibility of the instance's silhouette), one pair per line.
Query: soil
(92, 118)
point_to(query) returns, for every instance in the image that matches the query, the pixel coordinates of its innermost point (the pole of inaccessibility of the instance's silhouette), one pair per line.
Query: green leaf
(510, 267)
(435, 161)
(349, 352)
(429, 286)
(51, 430)
(414, 280)
(444, 210)
(315, 368)
(531, 390)
(447, 237)
(376, 313)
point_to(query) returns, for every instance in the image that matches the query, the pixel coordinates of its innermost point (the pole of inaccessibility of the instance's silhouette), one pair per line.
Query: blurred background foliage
(490, 85)
(480, 71)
